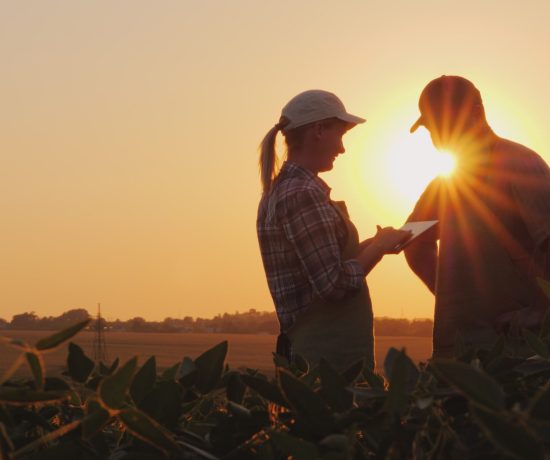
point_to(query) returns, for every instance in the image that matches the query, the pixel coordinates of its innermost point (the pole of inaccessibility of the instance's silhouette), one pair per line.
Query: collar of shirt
(291, 169)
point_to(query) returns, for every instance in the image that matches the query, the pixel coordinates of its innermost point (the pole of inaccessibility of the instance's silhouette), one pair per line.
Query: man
(494, 223)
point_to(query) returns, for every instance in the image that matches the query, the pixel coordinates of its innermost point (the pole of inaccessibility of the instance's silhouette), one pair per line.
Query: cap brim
(349, 118)
(416, 125)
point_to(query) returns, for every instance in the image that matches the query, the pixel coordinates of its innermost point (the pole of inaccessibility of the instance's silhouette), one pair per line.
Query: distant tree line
(250, 322)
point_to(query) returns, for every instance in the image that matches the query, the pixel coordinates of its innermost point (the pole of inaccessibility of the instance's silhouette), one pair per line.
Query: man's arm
(530, 185)
(422, 258)
(421, 254)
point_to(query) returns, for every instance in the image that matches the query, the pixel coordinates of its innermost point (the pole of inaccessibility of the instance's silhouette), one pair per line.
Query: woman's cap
(446, 96)
(316, 105)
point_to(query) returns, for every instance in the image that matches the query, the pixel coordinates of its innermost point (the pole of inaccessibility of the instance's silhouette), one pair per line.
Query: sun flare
(444, 164)
(412, 162)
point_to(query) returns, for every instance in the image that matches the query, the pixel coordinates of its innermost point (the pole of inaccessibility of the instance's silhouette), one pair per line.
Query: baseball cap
(316, 105)
(448, 93)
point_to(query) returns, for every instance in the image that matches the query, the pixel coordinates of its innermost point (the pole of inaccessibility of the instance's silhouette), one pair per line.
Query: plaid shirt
(301, 237)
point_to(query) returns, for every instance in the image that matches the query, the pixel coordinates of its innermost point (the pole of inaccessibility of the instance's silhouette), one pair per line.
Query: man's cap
(448, 92)
(315, 105)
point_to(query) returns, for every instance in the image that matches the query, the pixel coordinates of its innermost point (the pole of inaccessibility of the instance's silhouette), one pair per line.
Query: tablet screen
(416, 228)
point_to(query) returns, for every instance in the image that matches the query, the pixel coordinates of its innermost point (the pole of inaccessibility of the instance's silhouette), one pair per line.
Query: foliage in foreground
(484, 404)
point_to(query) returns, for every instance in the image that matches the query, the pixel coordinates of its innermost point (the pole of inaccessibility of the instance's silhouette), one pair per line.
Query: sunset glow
(130, 133)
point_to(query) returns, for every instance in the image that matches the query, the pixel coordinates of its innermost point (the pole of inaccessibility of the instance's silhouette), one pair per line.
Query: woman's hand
(389, 238)
(384, 242)
(363, 244)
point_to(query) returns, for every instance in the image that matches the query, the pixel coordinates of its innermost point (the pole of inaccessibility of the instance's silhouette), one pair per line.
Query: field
(245, 350)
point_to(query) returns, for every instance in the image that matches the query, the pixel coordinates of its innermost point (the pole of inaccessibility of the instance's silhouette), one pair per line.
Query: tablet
(417, 229)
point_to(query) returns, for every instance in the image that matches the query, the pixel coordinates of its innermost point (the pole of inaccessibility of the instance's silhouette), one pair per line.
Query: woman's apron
(340, 332)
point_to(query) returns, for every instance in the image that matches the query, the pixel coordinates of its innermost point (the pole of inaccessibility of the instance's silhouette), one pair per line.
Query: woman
(314, 262)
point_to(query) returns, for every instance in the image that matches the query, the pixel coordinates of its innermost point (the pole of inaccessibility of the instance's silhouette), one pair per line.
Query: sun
(411, 162)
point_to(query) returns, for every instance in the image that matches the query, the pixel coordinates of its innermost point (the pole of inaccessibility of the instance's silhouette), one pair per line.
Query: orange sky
(129, 130)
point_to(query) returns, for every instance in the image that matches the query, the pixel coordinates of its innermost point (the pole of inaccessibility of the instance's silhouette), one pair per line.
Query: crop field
(209, 412)
(245, 350)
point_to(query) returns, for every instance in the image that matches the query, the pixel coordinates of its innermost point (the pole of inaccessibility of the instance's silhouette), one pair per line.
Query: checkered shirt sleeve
(310, 225)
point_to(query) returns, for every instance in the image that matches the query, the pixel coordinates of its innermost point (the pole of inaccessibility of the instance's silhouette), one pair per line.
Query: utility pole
(99, 344)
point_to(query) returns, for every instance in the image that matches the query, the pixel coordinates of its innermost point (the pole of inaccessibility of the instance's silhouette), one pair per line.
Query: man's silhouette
(494, 223)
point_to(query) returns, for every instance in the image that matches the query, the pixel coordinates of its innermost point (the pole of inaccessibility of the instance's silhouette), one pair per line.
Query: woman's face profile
(330, 144)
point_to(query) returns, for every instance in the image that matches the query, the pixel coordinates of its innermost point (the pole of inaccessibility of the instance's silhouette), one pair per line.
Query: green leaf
(114, 366)
(533, 367)
(266, 451)
(144, 380)
(102, 369)
(391, 355)
(333, 388)
(352, 372)
(300, 363)
(114, 388)
(536, 344)
(79, 365)
(18, 344)
(234, 387)
(310, 378)
(338, 442)
(56, 384)
(280, 361)
(170, 372)
(502, 364)
(239, 410)
(306, 402)
(145, 428)
(36, 363)
(58, 338)
(265, 389)
(46, 439)
(496, 350)
(471, 382)
(163, 403)
(210, 367)
(364, 395)
(202, 453)
(8, 373)
(298, 448)
(375, 381)
(540, 404)
(10, 395)
(187, 372)
(399, 375)
(509, 437)
(95, 419)
(401, 355)
(67, 449)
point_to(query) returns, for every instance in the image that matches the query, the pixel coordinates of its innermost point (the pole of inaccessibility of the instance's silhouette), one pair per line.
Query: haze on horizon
(129, 134)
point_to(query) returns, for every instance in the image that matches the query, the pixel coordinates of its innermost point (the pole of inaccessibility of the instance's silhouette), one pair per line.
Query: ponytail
(268, 157)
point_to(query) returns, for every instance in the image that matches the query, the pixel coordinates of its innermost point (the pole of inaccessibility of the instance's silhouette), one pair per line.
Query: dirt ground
(245, 350)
